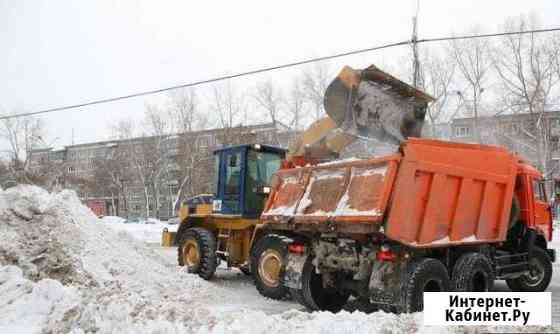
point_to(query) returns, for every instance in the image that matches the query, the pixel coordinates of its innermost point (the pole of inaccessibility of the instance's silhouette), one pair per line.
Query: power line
(501, 34)
(273, 68)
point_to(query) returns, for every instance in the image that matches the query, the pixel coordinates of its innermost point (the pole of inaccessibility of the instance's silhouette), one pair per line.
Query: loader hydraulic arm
(368, 104)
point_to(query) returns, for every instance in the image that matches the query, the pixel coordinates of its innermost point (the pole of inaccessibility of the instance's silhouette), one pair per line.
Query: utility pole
(416, 80)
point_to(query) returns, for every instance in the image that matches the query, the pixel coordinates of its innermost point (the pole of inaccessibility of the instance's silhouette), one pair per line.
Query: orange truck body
(431, 194)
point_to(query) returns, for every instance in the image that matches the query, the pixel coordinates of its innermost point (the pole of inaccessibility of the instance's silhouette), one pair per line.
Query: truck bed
(433, 194)
(451, 193)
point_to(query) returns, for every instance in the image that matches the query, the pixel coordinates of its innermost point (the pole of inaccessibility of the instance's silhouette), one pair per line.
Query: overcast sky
(56, 53)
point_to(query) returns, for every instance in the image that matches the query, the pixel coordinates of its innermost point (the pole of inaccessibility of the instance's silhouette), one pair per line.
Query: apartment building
(115, 177)
(534, 136)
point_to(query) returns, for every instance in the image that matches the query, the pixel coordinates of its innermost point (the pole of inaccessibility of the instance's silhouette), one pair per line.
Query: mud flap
(293, 271)
(385, 283)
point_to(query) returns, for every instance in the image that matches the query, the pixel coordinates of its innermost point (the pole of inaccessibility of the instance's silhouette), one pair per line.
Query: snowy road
(245, 295)
(243, 292)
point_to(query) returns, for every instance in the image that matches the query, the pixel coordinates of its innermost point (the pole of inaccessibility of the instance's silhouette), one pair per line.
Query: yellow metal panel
(167, 238)
(203, 209)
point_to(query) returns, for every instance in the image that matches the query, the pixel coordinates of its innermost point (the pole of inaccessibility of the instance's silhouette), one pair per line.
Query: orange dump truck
(438, 216)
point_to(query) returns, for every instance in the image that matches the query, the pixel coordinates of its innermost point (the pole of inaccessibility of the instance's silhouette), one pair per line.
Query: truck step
(511, 275)
(513, 265)
(510, 256)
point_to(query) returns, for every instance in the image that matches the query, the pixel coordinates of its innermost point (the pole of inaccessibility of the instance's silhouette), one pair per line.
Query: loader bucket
(373, 104)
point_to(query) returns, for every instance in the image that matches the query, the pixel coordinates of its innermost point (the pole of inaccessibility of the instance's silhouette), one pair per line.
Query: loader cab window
(260, 168)
(262, 165)
(216, 173)
(233, 174)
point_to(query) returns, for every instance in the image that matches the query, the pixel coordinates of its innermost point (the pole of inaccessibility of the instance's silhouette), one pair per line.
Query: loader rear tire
(539, 276)
(424, 275)
(198, 252)
(315, 296)
(472, 272)
(267, 263)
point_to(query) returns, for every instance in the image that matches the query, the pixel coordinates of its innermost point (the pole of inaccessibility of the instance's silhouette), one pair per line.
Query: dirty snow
(64, 271)
(340, 161)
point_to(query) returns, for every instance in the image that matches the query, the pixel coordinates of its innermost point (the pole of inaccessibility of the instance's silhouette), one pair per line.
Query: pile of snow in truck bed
(62, 271)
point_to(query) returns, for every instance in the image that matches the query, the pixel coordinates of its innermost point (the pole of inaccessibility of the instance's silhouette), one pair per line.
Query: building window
(462, 131)
(71, 169)
(203, 142)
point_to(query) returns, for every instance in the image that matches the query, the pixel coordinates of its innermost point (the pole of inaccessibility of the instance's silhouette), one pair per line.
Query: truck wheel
(538, 278)
(315, 296)
(473, 272)
(267, 261)
(424, 275)
(198, 252)
(297, 296)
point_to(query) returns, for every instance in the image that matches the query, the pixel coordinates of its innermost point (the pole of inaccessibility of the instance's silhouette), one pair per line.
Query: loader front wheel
(267, 261)
(198, 252)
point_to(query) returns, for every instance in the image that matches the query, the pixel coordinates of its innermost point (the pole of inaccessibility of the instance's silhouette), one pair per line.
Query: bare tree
(271, 99)
(183, 110)
(315, 80)
(136, 151)
(189, 163)
(112, 174)
(230, 109)
(473, 63)
(436, 78)
(526, 66)
(155, 153)
(21, 134)
(296, 104)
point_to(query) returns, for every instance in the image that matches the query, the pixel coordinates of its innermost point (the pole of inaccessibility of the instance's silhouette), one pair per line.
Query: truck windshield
(538, 190)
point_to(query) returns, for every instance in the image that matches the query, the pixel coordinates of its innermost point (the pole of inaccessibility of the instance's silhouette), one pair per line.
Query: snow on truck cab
(438, 216)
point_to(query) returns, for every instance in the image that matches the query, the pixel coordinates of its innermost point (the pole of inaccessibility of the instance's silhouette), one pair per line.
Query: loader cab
(243, 175)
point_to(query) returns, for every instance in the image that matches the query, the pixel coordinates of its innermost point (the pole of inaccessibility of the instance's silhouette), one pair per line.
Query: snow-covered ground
(62, 270)
(149, 233)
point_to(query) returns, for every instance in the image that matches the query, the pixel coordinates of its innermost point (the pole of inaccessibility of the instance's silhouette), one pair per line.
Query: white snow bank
(316, 322)
(28, 307)
(115, 283)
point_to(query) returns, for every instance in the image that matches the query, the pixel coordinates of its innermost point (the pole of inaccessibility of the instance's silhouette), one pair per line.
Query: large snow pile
(63, 271)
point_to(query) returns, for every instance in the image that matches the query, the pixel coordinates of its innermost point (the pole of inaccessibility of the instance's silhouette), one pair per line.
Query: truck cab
(534, 207)
(243, 175)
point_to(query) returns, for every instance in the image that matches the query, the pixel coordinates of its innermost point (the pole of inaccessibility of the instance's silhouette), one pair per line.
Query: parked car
(134, 221)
